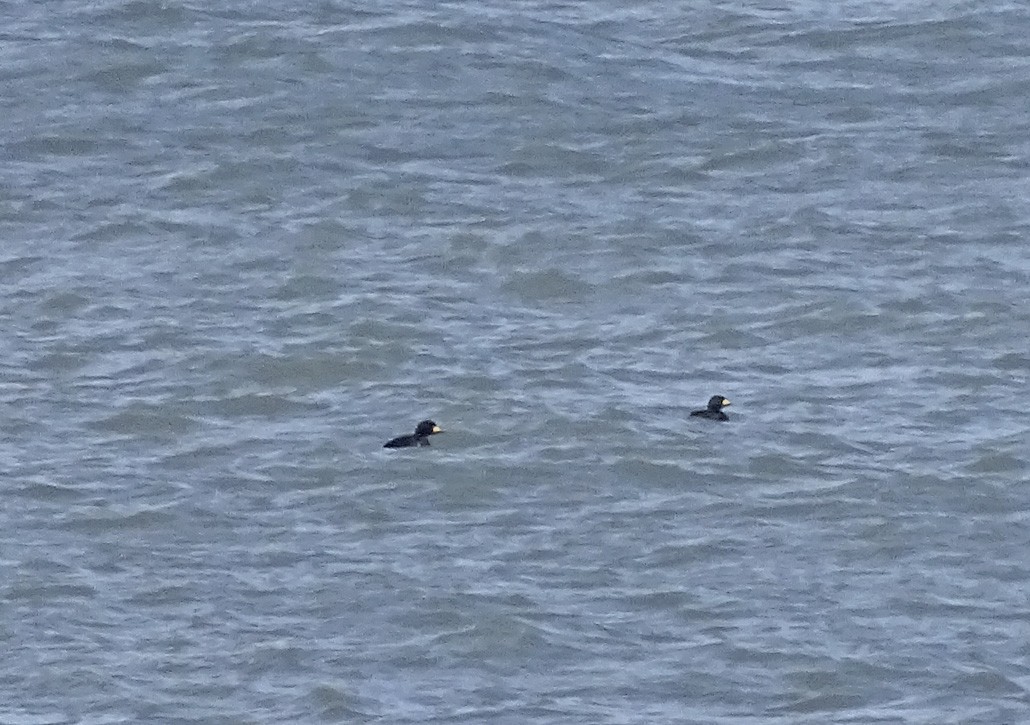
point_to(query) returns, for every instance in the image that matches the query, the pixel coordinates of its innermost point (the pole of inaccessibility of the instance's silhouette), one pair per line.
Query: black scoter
(714, 410)
(421, 437)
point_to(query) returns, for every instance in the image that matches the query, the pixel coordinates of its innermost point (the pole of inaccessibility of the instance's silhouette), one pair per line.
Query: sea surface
(242, 244)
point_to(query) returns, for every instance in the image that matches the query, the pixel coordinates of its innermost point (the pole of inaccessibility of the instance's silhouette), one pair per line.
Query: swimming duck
(420, 438)
(714, 410)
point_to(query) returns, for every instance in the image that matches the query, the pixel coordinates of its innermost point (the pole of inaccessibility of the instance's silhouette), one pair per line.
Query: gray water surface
(242, 247)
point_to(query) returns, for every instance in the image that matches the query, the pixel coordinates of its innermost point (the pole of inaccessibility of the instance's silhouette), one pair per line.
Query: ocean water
(242, 246)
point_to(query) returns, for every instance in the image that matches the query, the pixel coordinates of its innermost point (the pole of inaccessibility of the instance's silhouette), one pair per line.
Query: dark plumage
(421, 437)
(714, 410)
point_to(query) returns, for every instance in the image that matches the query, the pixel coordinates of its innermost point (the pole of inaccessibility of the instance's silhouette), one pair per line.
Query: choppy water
(242, 247)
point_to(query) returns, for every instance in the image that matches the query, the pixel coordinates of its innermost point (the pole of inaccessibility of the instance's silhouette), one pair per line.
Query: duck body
(714, 410)
(419, 438)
